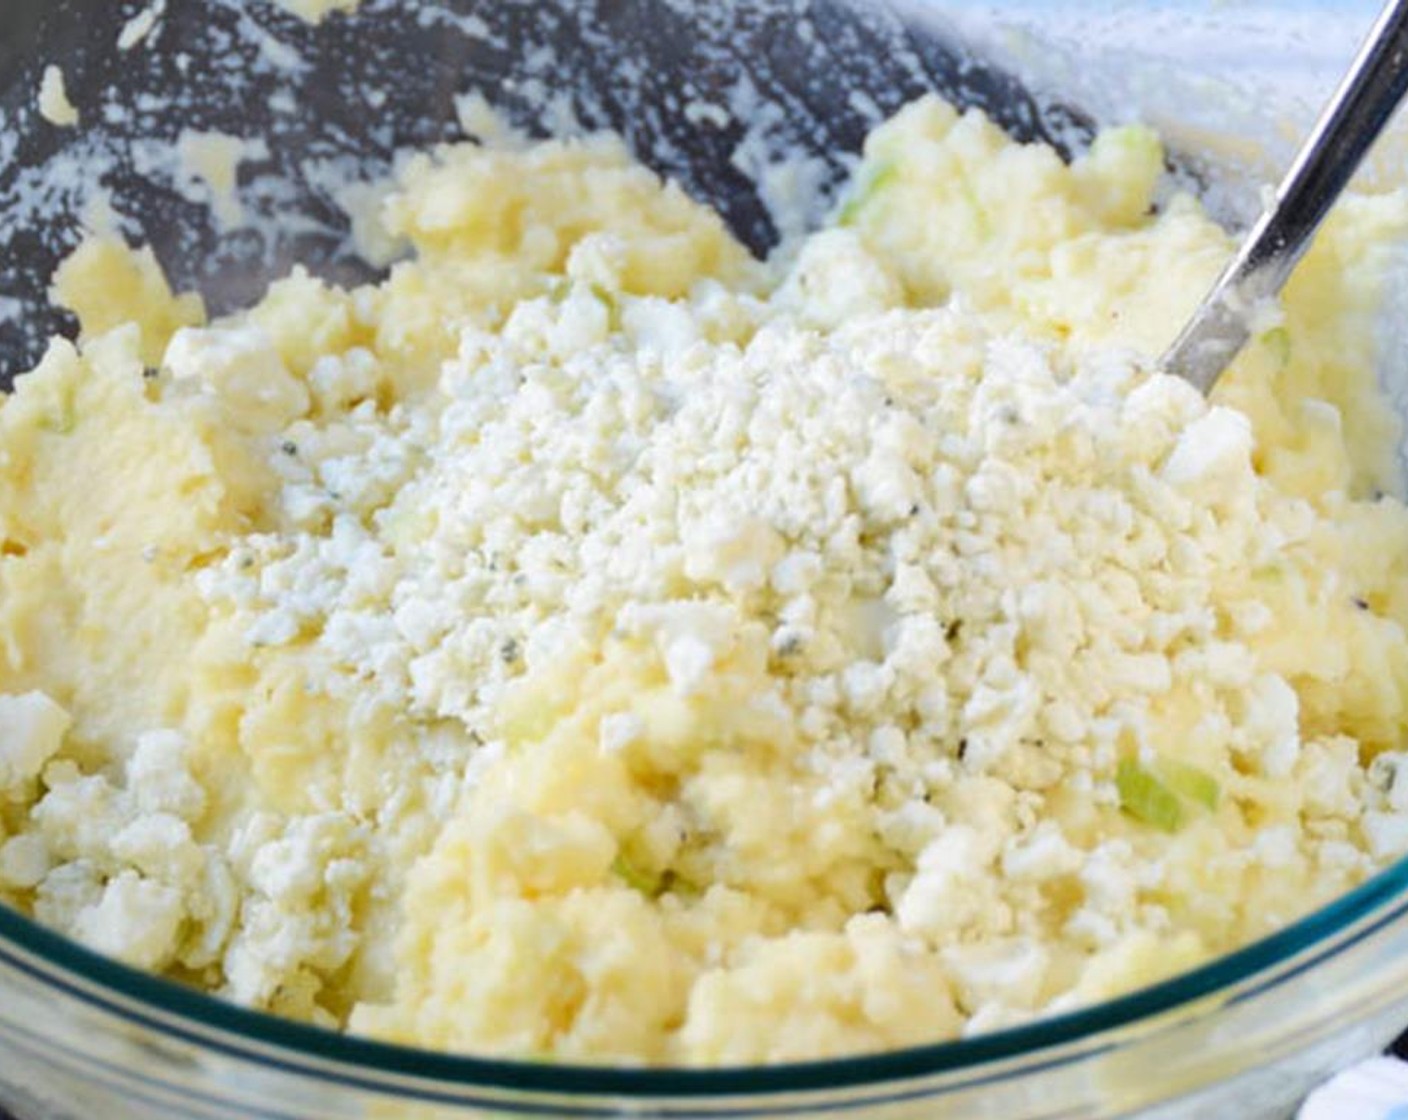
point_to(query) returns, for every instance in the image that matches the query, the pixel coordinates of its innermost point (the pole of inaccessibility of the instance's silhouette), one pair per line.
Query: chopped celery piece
(1278, 342)
(1192, 782)
(64, 418)
(59, 425)
(648, 884)
(1147, 799)
(613, 308)
(981, 222)
(881, 177)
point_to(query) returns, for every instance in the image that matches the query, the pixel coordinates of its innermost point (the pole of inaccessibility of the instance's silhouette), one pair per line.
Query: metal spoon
(1347, 128)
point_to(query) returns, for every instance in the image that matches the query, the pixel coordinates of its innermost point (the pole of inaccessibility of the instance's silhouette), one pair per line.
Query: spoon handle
(1347, 128)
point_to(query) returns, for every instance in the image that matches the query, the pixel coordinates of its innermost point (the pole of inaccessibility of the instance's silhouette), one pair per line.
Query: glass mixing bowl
(84, 1037)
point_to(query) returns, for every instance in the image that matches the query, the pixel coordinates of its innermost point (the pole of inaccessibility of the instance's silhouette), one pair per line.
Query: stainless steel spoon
(1347, 128)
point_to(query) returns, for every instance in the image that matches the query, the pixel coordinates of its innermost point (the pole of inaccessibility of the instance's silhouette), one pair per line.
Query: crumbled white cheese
(158, 776)
(1005, 973)
(24, 862)
(1214, 449)
(139, 28)
(32, 728)
(1387, 834)
(241, 368)
(137, 920)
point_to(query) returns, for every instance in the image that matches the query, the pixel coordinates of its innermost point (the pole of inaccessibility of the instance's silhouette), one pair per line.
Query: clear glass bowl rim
(189, 1015)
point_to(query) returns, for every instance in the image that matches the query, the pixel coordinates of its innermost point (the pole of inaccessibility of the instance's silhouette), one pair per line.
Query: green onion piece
(1147, 799)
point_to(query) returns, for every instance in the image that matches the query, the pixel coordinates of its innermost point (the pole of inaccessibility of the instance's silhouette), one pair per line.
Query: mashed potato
(593, 644)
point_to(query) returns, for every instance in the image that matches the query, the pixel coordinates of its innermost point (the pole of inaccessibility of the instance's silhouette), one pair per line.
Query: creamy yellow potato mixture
(314, 11)
(593, 644)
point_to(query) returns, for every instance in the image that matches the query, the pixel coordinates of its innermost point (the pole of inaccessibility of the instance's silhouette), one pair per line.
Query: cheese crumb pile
(593, 644)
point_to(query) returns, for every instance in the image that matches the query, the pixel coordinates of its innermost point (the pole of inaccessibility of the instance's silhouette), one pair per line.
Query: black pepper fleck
(509, 651)
(288, 447)
(1362, 604)
(790, 645)
(962, 748)
(953, 629)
